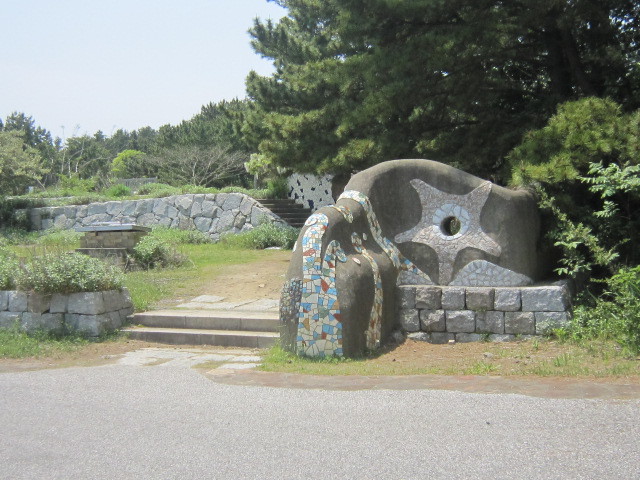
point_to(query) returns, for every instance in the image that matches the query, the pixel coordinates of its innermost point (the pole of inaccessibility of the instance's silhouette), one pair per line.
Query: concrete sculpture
(402, 222)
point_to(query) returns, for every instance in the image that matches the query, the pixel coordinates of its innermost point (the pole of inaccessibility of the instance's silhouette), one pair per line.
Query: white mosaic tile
(480, 273)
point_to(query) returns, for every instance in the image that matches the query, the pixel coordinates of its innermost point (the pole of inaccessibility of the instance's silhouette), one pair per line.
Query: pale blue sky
(89, 65)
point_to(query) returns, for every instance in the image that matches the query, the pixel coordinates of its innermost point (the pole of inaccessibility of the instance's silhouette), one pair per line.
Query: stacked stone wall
(88, 313)
(439, 314)
(212, 214)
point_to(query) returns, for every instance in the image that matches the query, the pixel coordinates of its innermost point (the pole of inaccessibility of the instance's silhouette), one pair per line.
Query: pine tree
(460, 81)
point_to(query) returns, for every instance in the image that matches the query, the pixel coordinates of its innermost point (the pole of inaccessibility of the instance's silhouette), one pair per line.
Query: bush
(68, 273)
(615, 314)
(263, 236)
(58, 238)
(584, 165)
(118, 190)
(277, 187)
(153, 252)
(17, 236)
(180, 237)
(158, 190)
(8, 267)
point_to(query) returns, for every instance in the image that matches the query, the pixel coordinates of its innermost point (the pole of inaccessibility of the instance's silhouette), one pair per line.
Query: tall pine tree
(362, 81)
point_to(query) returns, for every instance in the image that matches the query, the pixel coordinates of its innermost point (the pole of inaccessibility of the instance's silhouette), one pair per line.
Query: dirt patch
(532, 357)
(255, 280)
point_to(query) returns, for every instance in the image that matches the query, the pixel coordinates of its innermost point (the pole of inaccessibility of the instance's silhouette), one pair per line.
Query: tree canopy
(20, 164)
(459, 81)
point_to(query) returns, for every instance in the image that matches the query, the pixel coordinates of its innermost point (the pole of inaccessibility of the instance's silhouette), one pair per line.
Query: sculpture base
(439, 314)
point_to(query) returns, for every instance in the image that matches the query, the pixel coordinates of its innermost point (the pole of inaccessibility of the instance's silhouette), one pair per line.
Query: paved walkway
(143, 419)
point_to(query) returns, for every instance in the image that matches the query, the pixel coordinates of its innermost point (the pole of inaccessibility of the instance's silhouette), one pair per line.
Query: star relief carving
(449, 224)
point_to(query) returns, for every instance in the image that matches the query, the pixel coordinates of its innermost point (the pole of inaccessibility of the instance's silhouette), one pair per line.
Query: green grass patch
(17, 344)
(543, 358)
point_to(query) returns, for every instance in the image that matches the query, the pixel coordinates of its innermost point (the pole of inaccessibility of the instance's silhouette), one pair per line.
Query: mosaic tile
(480, 273)
(374, 329)
(437, 208)
(387, 246)
(346, 213)
(319, 319)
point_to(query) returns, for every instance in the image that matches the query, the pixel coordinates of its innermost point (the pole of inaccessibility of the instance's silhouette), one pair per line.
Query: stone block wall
(121, 239)
(212, 214)
(439, 314)
(89, 313)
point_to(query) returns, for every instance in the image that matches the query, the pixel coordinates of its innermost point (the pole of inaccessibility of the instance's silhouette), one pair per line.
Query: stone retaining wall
(213, 214)
(89, 313)
(466, 314)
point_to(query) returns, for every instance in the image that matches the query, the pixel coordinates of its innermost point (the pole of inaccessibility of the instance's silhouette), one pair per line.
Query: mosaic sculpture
(401, 222)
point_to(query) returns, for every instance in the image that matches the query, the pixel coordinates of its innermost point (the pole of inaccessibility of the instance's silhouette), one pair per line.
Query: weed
(263, 236)
(118, 190)
(153, 252)
(15, 343)
(481, 368)
(177, 236)
(562, 360)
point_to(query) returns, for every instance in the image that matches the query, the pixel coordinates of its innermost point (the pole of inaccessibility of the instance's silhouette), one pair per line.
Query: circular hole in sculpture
(450, 226)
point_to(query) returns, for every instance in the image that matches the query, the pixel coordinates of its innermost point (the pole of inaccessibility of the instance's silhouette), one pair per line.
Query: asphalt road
(146, 422)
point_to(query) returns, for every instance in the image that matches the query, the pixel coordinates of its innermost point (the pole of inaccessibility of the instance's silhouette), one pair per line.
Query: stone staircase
(291, 212)
(223, 328)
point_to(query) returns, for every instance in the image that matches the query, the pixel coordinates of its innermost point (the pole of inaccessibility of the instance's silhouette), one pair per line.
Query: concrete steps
(291, 212)
(224, 328)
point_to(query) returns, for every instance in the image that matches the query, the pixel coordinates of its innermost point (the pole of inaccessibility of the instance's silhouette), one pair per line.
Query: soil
(256, 280)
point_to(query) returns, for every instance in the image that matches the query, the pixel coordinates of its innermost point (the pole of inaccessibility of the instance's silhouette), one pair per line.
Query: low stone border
(88, 313)
(212, 214)
(467, 314)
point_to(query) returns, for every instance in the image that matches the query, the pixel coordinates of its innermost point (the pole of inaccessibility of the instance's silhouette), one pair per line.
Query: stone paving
(214, 302)
(229, 359)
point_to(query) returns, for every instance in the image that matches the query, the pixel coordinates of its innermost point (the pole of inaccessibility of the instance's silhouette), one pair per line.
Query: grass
(17, 344)
(542, 357)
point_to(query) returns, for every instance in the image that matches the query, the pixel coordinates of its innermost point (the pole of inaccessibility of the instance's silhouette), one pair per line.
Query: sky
(79, 66)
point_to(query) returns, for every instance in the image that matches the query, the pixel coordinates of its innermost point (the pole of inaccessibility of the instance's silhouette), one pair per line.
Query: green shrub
(197, 189)
(68, 273)
(158, 190)
(9, 265)
(615, 314)
(584, 165)
(18, 236)
(277, 188)
(73, 185)
(153, 252)
(263, 236)
(118, 190)
(177, 236)
(58, 238)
